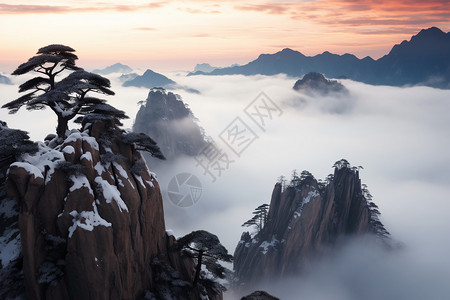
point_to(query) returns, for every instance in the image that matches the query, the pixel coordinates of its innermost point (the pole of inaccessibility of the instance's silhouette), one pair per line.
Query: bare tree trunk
(198, 268)
(62, 127)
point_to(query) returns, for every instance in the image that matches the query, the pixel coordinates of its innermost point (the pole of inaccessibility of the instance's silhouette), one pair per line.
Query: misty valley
(289, 177)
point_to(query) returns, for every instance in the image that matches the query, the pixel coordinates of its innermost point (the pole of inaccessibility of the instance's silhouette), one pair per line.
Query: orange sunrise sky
(173, 35)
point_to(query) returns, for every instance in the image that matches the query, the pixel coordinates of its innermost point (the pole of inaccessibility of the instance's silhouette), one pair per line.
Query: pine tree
(207, 250)
(65, 97)
(260, 217)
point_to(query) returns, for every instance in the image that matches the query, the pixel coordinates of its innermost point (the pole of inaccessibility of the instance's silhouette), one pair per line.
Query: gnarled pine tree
(65, 97)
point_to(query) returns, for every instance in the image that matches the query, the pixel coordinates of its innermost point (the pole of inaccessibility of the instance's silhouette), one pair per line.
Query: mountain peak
(149, 80)
(430, 32)
(115, 68)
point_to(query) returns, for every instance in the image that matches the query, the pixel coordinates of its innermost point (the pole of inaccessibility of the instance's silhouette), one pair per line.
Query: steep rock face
(304, 221)
(171, 124)
(92, 224)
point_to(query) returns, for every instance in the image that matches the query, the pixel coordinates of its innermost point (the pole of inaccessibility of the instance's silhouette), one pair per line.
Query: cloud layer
(399, 136)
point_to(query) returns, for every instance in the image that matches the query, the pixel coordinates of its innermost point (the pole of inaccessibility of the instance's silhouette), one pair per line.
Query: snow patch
(265, 245)
(45, 158)
(110, 192)
(87, 220)
(307, 199)
(91, 141)
(150, 183)
(30, 169)
(87, 156)
(170, 232)
(139, 178)
(123, 173)
(73, 137)
(99, 168)
(80, 182)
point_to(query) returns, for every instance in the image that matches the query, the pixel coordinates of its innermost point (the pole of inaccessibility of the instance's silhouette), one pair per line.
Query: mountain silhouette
(423, 60)
(116, 68)
(150, 80)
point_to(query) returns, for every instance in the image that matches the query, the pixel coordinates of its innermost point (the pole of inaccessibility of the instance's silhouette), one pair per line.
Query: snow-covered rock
(84, 225)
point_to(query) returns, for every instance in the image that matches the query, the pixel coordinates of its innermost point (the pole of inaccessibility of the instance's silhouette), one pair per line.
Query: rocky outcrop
(91, 222)
(169, 121)
(259, 295)
(316, 84)
(305, 220)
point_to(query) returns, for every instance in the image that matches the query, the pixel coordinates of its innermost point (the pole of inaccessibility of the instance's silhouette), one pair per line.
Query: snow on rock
(99, 168)
(80, 182)
(32, 170)
(45, 158)
(307, 199)
(73, 137)
(110, 192)
(87, 156)
(123, 173)
(266, 245)
(91, 140)
(139, 178)
(87, 220)
(170, 232)
(68, 149)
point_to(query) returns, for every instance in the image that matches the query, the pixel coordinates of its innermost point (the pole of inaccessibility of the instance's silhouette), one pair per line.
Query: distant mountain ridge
(116, 68)
(4, 80)
(424, 60)
(150, 79)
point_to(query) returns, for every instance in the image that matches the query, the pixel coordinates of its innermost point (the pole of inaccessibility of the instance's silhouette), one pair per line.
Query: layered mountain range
(423, 60)
(306, 220)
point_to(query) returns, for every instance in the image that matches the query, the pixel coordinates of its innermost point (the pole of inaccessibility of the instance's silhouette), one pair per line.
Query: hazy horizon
(167, 34)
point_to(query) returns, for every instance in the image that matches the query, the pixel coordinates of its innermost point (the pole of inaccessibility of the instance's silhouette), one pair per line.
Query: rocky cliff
(85, 221)
(169, 121)
(305, 220)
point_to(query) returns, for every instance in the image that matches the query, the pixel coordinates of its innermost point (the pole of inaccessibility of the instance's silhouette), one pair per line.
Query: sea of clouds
(399, 135)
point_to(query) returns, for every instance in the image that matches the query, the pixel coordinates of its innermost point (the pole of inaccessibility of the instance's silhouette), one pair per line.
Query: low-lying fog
(399, 135)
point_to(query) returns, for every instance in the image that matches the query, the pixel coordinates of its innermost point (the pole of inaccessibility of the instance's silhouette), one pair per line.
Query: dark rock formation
(424, 60)
(259, 295)
(91, 224)
(305, 220)
(116, 68)
(5, 80)
(316, 84)
(150, 80)
(171, 124)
